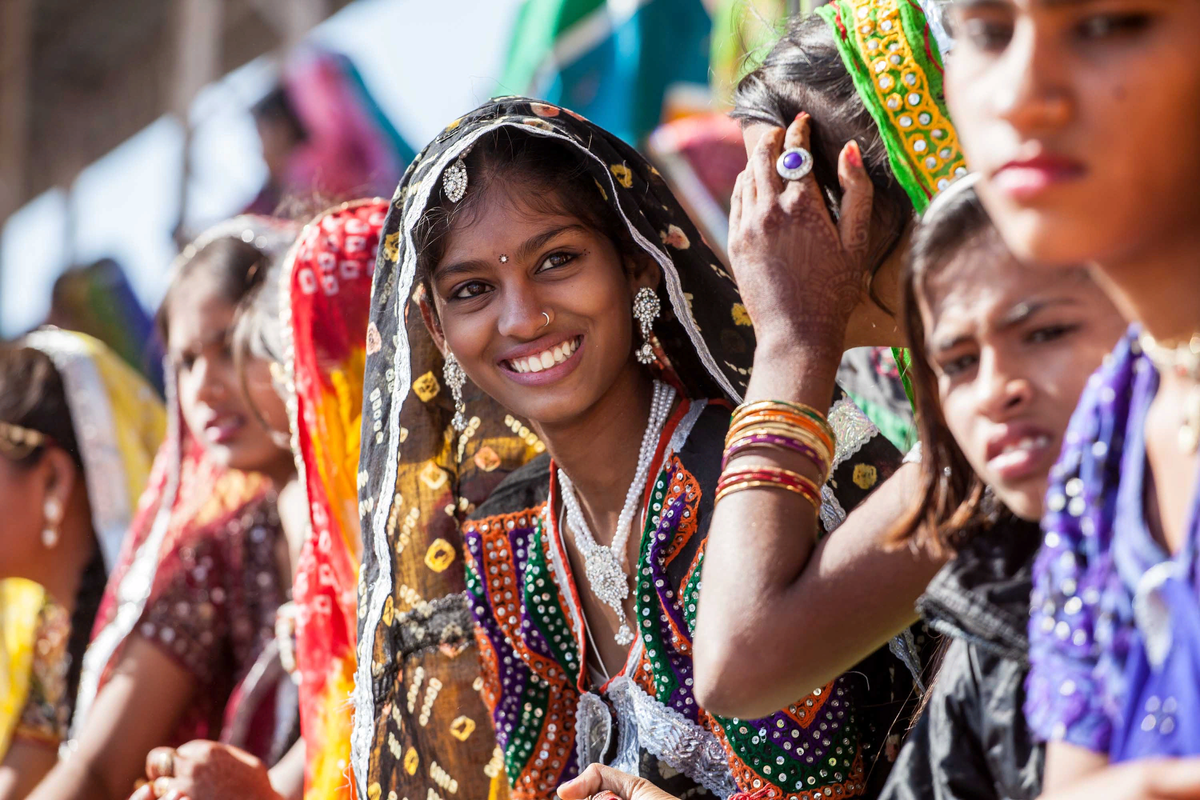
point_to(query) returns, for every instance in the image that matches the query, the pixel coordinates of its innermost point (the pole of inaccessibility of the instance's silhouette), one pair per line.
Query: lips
(544, 359)
(1019, 452)
(1026, 179)
(223, 428)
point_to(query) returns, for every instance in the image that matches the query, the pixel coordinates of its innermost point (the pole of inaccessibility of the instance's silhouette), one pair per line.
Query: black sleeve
(943, 757)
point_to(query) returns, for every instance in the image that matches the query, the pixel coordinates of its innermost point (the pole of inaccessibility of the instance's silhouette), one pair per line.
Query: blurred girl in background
(191, 608)
(78, 431)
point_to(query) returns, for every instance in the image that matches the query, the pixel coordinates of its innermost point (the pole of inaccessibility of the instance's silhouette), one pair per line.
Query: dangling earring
(53, 512)
(456, 379)
(646, 309)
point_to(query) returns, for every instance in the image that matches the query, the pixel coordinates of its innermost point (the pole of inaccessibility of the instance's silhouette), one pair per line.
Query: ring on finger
(794, 164)
(164, 762)
(162, 786)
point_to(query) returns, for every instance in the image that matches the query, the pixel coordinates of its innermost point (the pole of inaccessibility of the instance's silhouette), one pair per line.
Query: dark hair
(233, 266)
(32, 395)
(277, 107)
(952, 501)
(804, 72)
(550, 176)
(258, 331)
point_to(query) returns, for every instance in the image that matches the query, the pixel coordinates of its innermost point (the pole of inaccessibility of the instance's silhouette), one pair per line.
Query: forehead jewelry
(20, 441)
(503, 259)
(454, 181)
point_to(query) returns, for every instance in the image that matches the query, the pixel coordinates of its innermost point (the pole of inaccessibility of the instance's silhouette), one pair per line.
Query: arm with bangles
(804, 612)
(137, 709)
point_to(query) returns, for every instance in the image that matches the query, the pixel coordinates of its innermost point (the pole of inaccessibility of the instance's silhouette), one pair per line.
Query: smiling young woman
(591, 348)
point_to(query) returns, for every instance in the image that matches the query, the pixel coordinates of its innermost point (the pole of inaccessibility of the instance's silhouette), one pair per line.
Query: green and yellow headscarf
(892, 50)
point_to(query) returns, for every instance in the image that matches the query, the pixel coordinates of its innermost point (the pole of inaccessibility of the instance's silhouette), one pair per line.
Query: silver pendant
(610, 585)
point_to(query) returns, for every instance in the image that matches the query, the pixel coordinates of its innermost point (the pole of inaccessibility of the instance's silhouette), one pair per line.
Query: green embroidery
(888, 51)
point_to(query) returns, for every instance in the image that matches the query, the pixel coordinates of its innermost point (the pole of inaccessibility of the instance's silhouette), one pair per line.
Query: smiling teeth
(545, 359)
(1028, 443)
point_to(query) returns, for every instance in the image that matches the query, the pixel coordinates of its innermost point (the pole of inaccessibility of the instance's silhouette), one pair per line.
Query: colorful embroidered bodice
(551, 720)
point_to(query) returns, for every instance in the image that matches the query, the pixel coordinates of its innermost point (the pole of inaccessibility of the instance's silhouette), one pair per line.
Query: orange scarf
(326, 306)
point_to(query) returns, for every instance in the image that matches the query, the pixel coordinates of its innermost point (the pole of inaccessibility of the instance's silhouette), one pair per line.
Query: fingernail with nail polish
(855, 155)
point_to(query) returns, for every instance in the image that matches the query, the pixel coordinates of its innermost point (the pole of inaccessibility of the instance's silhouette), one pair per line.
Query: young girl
(1054, 102)
(1001, 353)
(309, 321)
(818, 256)
(78, 430)
(557, 275)
(191, 607)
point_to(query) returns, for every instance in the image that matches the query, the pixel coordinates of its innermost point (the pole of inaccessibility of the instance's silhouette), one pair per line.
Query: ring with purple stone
(794, 164)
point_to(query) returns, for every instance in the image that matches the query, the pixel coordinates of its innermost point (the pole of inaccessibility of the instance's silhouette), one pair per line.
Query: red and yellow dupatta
(326, 308)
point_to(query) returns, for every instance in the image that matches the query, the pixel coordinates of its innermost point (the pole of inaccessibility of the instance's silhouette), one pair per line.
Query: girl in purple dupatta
(1115, 631)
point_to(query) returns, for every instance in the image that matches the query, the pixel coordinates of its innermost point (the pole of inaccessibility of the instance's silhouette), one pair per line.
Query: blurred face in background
(1012, 348)
(278, 142)
(1082, 118)
(211, 395)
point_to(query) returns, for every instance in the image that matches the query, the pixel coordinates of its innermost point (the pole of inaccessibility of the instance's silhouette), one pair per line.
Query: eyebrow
(1026, 309)
(199, 344)
(1019, 313)
(973, 4)
(527, 248)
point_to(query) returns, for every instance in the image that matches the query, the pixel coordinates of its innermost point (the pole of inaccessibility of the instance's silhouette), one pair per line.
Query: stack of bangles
(777, 425)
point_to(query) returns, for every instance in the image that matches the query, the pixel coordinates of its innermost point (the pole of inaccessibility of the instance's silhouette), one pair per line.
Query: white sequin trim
(852, 428)
(671, 737)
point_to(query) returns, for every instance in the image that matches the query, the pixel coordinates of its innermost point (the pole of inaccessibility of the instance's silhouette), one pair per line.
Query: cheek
(262, 393)
(188, 387)
(967, 77)
(961, 418)
(22, 516)
(1151, 150)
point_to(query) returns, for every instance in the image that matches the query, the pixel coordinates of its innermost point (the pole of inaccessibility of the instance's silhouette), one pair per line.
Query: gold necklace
(1184, 360)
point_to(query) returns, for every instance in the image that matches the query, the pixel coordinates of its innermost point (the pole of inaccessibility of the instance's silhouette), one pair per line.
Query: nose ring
(547, 316)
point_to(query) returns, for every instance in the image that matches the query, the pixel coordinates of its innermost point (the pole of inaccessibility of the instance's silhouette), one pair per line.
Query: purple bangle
(772, 440)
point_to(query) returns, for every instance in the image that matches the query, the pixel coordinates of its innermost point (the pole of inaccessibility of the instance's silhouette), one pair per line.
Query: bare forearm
(72, 780)
(774, 622)
(136, 710)
(760, 540)
(806, 613)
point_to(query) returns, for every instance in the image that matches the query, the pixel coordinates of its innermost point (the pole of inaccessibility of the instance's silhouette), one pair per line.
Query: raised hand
(800, 274)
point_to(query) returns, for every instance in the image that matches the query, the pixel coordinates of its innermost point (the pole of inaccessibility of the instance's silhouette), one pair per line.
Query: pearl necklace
(1184, 361)
(605, 565)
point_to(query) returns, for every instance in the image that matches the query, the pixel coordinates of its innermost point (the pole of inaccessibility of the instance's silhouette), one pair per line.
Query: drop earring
(646, 308)
(456, 379)
(53, 513)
